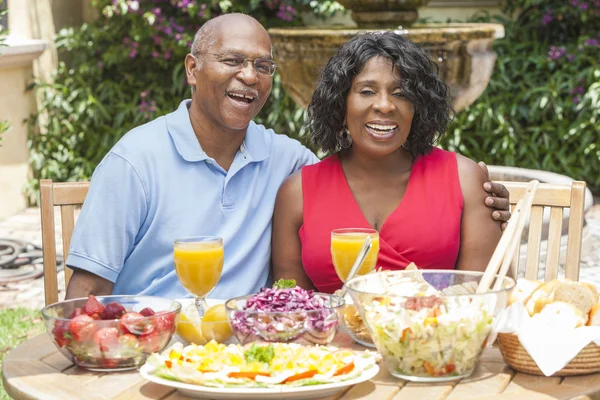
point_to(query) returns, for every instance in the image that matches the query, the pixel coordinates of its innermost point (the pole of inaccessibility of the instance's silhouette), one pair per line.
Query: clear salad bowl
(430, 325)
(305, 326)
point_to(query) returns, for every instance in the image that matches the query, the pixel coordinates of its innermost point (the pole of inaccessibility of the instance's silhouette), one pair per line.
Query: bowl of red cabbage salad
(285, 313)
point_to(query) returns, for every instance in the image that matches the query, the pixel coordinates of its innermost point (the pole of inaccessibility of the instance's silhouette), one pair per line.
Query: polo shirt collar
(180, 128)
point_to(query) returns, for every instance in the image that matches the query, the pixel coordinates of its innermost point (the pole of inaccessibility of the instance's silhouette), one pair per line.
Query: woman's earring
(344, 138)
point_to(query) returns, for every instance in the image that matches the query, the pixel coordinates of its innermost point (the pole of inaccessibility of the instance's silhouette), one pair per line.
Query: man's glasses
(237, 62)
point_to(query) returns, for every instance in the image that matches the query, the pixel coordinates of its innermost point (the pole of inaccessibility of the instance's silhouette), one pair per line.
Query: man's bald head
(208, 34)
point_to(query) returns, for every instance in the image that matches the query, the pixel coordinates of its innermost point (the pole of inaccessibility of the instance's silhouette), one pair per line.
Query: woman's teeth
(383, 129)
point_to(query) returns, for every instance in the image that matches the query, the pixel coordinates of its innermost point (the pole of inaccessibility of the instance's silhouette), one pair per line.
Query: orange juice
(345, 248)
(199, 266)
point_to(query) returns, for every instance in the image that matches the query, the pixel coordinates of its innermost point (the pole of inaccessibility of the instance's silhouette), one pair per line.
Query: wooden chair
(556, 198)
(67, 195)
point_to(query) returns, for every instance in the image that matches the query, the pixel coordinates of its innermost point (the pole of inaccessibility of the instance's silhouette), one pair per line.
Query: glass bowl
(353, 324)
(116, 344)
(430, 325)
(317, 326)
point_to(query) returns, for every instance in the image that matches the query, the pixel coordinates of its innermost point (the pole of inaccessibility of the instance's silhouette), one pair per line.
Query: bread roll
(574, 293)
(593, 289)
(540, 297)
(594, 319)
(563, 313)
(522, 290)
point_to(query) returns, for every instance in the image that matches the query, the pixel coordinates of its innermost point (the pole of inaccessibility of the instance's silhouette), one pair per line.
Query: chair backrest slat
(67, 195)
(553, 249)
(556, 198)
(67, 215)
(534, 241)
(575, 230)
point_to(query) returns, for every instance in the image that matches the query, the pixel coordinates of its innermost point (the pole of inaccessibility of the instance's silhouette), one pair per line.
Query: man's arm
(497, 199)
(84, 283)
(106, 229)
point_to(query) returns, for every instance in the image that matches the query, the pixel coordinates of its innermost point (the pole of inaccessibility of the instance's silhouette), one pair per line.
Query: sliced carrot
(204, 371)
(429, 368)
(303, 375)
(345, 369)
(405, 333)
(247, 374)
(168, 363)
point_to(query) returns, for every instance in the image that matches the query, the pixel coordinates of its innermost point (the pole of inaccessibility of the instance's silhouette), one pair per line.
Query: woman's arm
(286, 249)
(479, 234)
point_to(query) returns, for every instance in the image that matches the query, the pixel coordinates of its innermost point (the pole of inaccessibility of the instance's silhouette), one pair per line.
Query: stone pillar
(29, 22)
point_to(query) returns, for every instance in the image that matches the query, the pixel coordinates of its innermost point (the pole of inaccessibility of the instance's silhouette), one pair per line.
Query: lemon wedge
(189, 326)
(215, 325)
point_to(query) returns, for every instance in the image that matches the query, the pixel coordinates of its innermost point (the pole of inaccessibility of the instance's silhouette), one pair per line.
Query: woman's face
(377, 113)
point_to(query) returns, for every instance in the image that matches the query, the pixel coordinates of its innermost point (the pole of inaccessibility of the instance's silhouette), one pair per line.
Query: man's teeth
(382, 128)
(242, 96)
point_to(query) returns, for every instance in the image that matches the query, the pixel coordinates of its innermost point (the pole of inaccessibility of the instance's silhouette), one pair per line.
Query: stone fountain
(462, 51)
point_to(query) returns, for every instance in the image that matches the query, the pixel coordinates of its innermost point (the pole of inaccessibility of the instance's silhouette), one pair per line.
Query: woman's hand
(497, 199)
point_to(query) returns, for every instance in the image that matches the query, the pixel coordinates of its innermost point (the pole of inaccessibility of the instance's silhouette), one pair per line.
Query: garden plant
(540, 110)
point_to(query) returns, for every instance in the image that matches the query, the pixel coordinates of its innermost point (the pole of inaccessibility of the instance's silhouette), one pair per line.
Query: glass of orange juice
(345, 246)
(199, 264)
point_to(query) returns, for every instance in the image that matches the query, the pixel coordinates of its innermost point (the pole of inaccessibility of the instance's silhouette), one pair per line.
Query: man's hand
(498, 199)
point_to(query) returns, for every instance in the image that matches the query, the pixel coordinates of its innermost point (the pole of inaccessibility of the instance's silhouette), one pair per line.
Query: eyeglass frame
(244, 63)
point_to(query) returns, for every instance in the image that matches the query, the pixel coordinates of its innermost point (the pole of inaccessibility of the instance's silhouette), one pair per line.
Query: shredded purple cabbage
(285, 315)
(296, 299)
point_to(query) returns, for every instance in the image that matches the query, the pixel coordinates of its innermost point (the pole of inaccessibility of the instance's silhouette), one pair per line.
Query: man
(204, 170)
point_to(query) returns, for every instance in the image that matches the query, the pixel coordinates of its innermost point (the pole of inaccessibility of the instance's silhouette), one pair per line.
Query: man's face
(229, 94)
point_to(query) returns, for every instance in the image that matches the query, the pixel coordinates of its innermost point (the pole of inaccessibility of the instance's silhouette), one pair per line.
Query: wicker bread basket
(515, 355)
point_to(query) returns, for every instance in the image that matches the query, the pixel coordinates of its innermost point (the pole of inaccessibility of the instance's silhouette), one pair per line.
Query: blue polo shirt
(156, 185)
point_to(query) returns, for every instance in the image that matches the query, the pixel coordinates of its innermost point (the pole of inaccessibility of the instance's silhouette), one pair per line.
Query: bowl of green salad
(428, 325)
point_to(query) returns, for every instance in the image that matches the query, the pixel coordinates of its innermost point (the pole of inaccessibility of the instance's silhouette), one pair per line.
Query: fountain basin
(377, 13)
(463, 52)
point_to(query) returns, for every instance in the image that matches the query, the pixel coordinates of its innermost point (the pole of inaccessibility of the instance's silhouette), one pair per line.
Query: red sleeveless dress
(424, 228)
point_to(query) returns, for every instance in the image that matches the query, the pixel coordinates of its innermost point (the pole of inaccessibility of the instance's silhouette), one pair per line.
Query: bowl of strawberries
(111, 333)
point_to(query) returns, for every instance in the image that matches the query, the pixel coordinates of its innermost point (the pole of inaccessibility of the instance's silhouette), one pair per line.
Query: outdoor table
(37, 370)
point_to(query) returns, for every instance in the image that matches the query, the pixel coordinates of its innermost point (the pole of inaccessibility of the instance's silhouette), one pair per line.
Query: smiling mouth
(242, 98)
(381, 130)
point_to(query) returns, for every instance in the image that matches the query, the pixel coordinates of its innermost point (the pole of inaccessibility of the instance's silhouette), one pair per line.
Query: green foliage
(16, 326)
(541, 109)
(125, 69)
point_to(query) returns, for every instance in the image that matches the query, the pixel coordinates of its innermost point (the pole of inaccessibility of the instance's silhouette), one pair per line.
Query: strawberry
(164, 323)
(62, 337)
(128, 341)
(147, 312)
(82, 327)
(93, 307)
(151, 342)
(107, 339)
(77, 311)
(135, 323)
(110, 363)
(113, 310)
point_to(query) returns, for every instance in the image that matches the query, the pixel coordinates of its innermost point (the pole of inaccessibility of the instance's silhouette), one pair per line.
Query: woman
(381, 105)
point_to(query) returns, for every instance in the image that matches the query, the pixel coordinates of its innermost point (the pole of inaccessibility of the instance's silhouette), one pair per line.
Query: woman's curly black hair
(421, 85)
